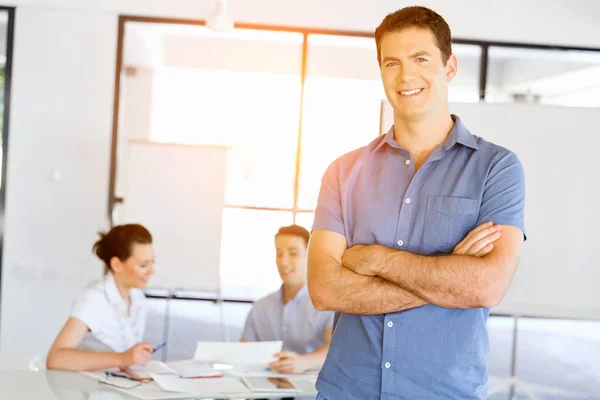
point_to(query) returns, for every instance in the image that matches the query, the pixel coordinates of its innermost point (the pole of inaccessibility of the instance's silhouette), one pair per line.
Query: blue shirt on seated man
(288, 314)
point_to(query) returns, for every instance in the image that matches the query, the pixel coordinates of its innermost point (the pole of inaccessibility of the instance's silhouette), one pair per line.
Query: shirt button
(400, 243)
(387, 365)
(407, 162)
(390, 324)
(407, 201)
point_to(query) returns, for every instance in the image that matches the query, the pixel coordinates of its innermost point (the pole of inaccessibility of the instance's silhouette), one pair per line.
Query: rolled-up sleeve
(89, 308)
(328, 215)
(503, 199)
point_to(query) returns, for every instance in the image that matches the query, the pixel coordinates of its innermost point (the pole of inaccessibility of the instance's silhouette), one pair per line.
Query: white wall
(60, 122)
(64, 61)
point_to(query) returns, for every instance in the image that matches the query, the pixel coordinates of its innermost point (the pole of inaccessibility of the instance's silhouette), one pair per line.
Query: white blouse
(101, 307)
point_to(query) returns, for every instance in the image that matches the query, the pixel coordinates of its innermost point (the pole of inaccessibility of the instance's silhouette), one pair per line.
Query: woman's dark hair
(118, 242)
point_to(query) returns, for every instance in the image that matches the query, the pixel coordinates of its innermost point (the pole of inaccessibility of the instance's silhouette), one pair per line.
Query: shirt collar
(302, 294)
(114, 296)
(112, 291)
(458, 134)
(387, 138)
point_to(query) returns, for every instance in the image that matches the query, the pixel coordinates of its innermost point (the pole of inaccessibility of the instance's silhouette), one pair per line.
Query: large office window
(465, 86)
(342, 106)
(245, 95)
(190, 85)
(252, 112)
(539, 76)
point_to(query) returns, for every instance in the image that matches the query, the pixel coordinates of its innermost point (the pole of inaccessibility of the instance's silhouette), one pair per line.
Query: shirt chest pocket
(447, 221)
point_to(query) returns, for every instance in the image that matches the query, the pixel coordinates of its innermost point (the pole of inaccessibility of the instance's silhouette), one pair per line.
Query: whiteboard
(559, 271)
(177, 192)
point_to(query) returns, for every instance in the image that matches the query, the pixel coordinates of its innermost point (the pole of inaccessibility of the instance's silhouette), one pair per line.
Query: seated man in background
(288, 314)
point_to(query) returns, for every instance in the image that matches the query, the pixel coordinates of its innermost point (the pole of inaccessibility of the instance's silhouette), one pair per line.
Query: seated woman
(108, 319)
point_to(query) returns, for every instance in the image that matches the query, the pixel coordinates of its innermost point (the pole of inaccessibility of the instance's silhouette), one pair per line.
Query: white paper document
(204, 386)
(155, 367)
(194, 369)
(237, 353)
(183, 369)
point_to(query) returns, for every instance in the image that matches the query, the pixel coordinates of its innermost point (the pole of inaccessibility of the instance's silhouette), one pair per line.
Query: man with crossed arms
(411, 305)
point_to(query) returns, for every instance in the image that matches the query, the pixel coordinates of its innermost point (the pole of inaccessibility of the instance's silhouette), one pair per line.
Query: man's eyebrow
(389, 58)
(419, 54)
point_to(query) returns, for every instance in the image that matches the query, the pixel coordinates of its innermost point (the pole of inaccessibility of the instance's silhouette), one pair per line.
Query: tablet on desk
(279, 384)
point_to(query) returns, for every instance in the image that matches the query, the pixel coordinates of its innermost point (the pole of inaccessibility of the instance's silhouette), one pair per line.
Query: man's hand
(363, 260)
(289, 363)
(480, 241)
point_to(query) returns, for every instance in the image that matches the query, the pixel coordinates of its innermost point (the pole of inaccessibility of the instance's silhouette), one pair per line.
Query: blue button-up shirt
(373, 196)
(297, 323)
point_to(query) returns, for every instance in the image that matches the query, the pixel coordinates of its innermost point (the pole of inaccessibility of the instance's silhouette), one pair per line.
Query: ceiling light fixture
(220, 20)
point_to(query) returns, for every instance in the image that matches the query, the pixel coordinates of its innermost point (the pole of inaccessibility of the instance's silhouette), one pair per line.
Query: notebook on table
(187, 369)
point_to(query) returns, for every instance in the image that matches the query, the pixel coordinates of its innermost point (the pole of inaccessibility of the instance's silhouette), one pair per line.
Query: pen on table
(113, 374)
(160, 346)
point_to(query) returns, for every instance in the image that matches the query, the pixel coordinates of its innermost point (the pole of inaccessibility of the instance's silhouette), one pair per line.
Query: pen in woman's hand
(160, 346)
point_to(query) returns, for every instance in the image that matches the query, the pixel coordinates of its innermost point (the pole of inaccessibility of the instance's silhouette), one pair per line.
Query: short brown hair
(118, 242)
(294, 230)
(418, 17)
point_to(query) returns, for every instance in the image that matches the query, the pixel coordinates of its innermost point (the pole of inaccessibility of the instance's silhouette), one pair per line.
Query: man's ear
(451, 68)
